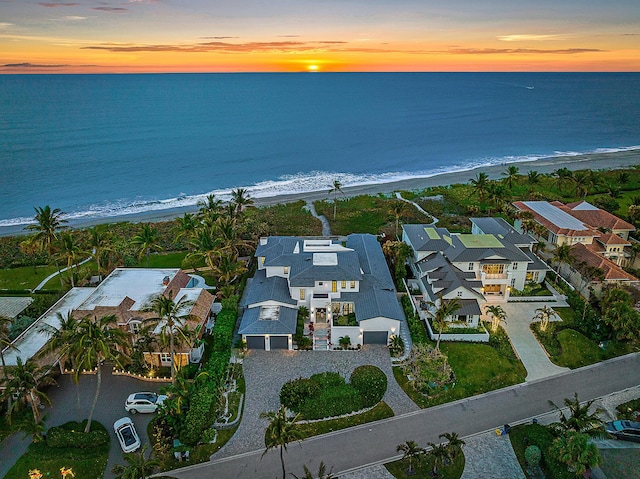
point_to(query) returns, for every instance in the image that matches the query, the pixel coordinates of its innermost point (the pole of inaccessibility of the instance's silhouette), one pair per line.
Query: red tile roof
(598, 217)
(612, 272)
(554, 228)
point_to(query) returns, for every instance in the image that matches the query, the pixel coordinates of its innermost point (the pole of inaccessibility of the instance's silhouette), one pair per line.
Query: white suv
(143, 402)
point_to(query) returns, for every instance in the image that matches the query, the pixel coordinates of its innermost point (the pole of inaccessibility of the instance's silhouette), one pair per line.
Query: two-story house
(346, 288)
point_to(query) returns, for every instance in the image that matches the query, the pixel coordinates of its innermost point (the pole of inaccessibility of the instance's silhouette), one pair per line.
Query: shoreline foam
(264, 194)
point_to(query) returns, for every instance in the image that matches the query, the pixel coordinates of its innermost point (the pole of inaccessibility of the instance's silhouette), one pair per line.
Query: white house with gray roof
(347, 288)
(484, 265)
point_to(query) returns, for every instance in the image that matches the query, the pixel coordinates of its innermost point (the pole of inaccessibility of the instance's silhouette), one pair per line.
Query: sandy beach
(595, 161)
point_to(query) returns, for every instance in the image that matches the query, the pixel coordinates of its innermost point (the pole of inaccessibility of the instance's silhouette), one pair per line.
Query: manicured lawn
(380, 411)
(23, 277)
(87, 463)
(622, 463)
(424, 468)
(88, 268)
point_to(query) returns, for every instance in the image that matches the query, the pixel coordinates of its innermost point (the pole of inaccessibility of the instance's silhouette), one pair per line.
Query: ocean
(101, 146)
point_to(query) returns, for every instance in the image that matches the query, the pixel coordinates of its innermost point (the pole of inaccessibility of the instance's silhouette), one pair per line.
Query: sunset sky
(318, 35)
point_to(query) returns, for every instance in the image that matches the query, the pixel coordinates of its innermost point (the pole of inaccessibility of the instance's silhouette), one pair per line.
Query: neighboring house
(347, 289)
(474, 267)
(11, 307)
(126, 292)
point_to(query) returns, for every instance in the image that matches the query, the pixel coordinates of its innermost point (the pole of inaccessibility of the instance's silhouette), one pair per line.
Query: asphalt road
(376, 442)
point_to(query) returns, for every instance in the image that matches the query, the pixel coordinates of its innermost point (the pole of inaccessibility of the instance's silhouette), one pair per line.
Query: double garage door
(375, 337)
(276, 342)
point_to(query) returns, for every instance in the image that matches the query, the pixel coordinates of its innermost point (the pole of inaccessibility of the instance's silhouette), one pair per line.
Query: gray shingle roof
(469, 307)
(448, 278)
(458, 253)
(427, 237)
(503, 230)
(536, 263)
(284, 324)
(268, 289)
(11, 307)
(303, 272)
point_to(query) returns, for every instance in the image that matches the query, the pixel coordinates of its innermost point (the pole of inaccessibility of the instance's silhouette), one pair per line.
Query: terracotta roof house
(487, 263)
(598, 218)
(347, 288)
(126, 292)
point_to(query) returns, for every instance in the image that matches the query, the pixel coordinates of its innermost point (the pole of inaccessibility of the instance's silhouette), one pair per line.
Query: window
(343, 285)
(459, 294)
(286, 270)
(334, 286)
(352, 285)
(165, 357)
(134, 327)
(513, 282)
(470, 268)
(302, 291)
(515, 266)
(262, 260)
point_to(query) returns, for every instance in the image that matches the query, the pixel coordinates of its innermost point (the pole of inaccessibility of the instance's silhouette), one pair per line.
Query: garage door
(374, 337)
(279, 342)
(255, 342)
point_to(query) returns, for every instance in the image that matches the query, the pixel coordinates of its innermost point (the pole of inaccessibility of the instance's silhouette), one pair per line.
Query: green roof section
(447, 239)
(432, 233)
(480, 241)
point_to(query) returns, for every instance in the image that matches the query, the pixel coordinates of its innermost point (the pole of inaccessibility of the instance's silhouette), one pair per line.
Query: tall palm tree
(397, 208)
(30, 427)
(497, 194)
(562, 175)
(98, 340)
(480, 184)
(497, 315)
(533, 179)
(227, 268)
(441, 455)
(594, 180)
(336, 188)
(579, 418)
(226, 232)
(170, 317)
(5, 343)
(622, 178)
(445, 308)
(186, 227)
(30, 247)
(580, 183)
(146, 241)
(25, 382)
(240, 199)
(511, 174)
(70, 251)
(100, 242)
(139, 465)
(281, 430)
(48, 223)
(411, 452)
(562, 255)
(544, 315)
(454, 443)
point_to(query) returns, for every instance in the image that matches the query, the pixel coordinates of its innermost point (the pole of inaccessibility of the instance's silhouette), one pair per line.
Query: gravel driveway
(266, 371)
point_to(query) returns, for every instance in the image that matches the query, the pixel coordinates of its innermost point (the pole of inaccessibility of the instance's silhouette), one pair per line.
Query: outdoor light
(393, 330)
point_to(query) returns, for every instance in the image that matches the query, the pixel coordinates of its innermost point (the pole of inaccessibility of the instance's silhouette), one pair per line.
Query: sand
(594, 161)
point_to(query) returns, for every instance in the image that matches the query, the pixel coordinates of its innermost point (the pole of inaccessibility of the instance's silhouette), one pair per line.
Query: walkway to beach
(46, 280)
(326, 227)
(417, 206)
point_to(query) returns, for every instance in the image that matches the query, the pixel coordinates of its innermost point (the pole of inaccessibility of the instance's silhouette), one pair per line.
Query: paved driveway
(110, 407)
(266, 371)
(534, 358)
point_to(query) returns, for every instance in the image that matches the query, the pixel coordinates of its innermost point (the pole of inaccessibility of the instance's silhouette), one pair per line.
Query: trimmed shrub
(371, 384)
(295, 392)
(333, 401)
(72, 434)
(532, 455)
(328, 379)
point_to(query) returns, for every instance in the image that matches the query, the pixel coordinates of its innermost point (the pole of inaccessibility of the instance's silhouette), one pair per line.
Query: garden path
(326, 227)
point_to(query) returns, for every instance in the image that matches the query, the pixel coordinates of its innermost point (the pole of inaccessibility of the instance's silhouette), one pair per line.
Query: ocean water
(106, 145)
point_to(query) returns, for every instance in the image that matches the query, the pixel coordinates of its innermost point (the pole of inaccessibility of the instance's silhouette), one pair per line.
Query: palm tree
(240, 199)
(48, 223)
(25, 381)
(497, 194)
(622, 178)
(70, 250)
(511, 174)
(171, 317)
(97, 341)
(533, 178)
(544, 315)
(441, 455)
(30, 427)
(454, 443)
(480, 184)
(227, 268)
(576, 451)
(445, 308)
(147, 241)
(397, 208)
(321, 474)
(100, 242)
(562, 176)
(594, 180)
(226, 232)
(5, 341)
(139, 465)
(411, 452)
(335, 189)
(579, 419)
(580, 183)
(30, 247)
(562, 255)
(281, 431)
(497, 315)
(186, 227)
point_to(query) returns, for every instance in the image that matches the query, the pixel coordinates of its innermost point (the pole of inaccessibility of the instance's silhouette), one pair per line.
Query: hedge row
(72, 434)
(202, 405)
(416, 327)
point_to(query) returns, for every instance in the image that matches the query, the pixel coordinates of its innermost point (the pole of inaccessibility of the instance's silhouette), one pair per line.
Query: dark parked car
(625, 430)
